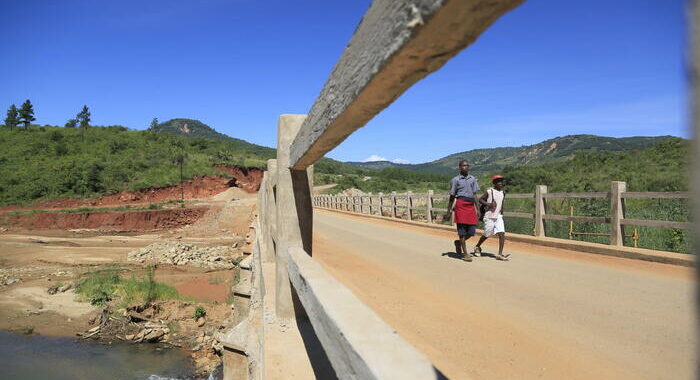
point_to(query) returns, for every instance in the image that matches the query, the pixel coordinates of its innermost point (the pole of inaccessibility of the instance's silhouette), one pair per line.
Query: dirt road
(547, 313)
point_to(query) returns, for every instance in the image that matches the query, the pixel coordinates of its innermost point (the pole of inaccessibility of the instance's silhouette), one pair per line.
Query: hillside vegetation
(52, 162)
(494, 159)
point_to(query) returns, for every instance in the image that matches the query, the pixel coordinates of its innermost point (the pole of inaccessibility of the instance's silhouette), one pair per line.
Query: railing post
(540, 209)
(617, 213)
(294, 213)
(268, 212)
(409, 204)
(393, 204)
(429, 206)
(381, 204)
(369, 200)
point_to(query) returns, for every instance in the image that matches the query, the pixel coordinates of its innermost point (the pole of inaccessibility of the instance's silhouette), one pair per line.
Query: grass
(103, 285)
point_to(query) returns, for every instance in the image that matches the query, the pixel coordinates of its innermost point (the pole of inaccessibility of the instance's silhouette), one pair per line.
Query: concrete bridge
(332, 294)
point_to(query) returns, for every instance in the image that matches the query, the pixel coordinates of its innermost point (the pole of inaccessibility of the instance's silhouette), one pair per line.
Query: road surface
(547, 313)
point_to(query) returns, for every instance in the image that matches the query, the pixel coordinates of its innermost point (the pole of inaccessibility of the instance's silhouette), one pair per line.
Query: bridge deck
(546, 314)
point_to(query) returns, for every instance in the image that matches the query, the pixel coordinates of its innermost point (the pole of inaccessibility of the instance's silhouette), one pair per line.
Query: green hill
(195, 128)
(53, 162)
(552, 150)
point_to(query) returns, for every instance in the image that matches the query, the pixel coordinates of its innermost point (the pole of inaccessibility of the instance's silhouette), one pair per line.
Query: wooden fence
(406, 204)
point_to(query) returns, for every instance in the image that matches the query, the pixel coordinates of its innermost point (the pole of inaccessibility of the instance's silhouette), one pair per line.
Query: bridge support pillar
(540, 210)
(268, 212)
(294, 213)
(617, 213)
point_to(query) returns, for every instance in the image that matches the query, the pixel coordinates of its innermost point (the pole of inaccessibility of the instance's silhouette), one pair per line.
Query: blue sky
(549, 68)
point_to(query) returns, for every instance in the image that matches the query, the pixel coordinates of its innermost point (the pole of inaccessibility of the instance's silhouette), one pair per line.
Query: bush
(199, 312)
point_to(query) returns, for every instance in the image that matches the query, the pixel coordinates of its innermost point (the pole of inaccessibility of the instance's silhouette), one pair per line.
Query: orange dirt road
(546, 314)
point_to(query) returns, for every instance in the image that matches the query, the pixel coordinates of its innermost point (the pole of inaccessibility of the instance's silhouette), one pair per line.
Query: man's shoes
(467, 258)
(458, 247)
(501, 258)
(506, 255)
(477, 251)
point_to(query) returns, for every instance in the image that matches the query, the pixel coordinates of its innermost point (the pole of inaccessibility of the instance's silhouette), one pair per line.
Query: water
(39, 357)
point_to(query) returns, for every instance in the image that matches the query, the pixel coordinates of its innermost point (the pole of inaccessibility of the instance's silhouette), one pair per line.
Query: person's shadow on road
(455, 255)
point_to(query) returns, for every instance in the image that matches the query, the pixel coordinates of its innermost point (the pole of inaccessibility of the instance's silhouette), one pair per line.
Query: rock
(130, 337)
(200, 321)
(94, 329)
(65, 288)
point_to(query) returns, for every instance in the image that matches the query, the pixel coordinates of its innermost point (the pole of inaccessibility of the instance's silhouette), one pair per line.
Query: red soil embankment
(246, 178)
(109, 220)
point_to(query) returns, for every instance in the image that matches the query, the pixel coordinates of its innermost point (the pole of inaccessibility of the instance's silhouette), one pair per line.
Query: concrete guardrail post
(617, 213)
(409, 205)
(294, 213)
(393, 204)
(540, 210)
(429, 206)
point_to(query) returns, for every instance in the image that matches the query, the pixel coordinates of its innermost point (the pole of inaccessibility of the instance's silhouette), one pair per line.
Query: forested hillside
(553, 150)
(52, 162)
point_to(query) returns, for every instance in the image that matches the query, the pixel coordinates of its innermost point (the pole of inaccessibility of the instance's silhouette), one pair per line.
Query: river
(40, 357)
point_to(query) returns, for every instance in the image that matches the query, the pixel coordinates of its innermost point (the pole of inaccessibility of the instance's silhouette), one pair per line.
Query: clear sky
(549, 68)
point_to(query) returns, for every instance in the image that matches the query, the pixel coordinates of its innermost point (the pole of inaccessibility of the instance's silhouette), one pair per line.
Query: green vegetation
(199, 312)
(101, 286)
(553, 150)
(52, 162)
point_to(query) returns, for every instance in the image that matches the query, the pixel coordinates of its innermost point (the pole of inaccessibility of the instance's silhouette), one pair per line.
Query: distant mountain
(552, 150)
(378, 164)
(195, 128)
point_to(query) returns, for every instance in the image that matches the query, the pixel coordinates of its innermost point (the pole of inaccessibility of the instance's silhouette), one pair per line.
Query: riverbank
(35, 263)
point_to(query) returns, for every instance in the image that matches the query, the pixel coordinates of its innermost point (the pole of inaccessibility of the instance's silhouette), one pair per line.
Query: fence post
(617, 213)
(540, 209)
(369, 200)
(409, 204)
(429, 206)
(381, 204)
(294, 213)
(393, 204)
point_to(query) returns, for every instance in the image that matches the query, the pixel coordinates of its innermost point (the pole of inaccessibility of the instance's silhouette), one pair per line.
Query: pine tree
(83, 118)
(26, 113)
(154, 124)
(12, 118)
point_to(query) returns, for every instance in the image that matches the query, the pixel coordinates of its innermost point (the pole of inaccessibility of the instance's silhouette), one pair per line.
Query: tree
(26, 113)
(72, 123)
(154, 124)
(12, 118)
(83, 118)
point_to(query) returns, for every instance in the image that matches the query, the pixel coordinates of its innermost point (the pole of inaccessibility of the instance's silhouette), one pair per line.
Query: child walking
(493, 217)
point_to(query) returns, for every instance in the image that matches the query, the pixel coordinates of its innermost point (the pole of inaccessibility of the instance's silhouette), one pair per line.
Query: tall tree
(26, 113)
(72, 123)
(12, 118)
(83, 118)
(154, 124)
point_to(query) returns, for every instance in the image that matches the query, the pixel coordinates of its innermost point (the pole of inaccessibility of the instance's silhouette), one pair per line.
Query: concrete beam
(358, 343)
(396, 44)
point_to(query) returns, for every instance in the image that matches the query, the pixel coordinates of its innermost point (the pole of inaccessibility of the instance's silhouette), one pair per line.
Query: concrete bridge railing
(396, 44)
(405, 205)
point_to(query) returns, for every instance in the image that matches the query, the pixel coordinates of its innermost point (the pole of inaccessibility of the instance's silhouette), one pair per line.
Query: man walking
(463, 189)
(493, 217)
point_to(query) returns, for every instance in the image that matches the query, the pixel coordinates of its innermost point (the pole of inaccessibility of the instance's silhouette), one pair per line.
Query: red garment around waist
(464, 212)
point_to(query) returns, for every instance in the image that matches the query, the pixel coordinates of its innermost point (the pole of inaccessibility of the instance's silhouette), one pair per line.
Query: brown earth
(145, 220)
(248, 179)
(45, 249)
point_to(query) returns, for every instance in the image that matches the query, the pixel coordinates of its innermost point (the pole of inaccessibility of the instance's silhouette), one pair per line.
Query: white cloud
(400, 161)
(374, 157)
